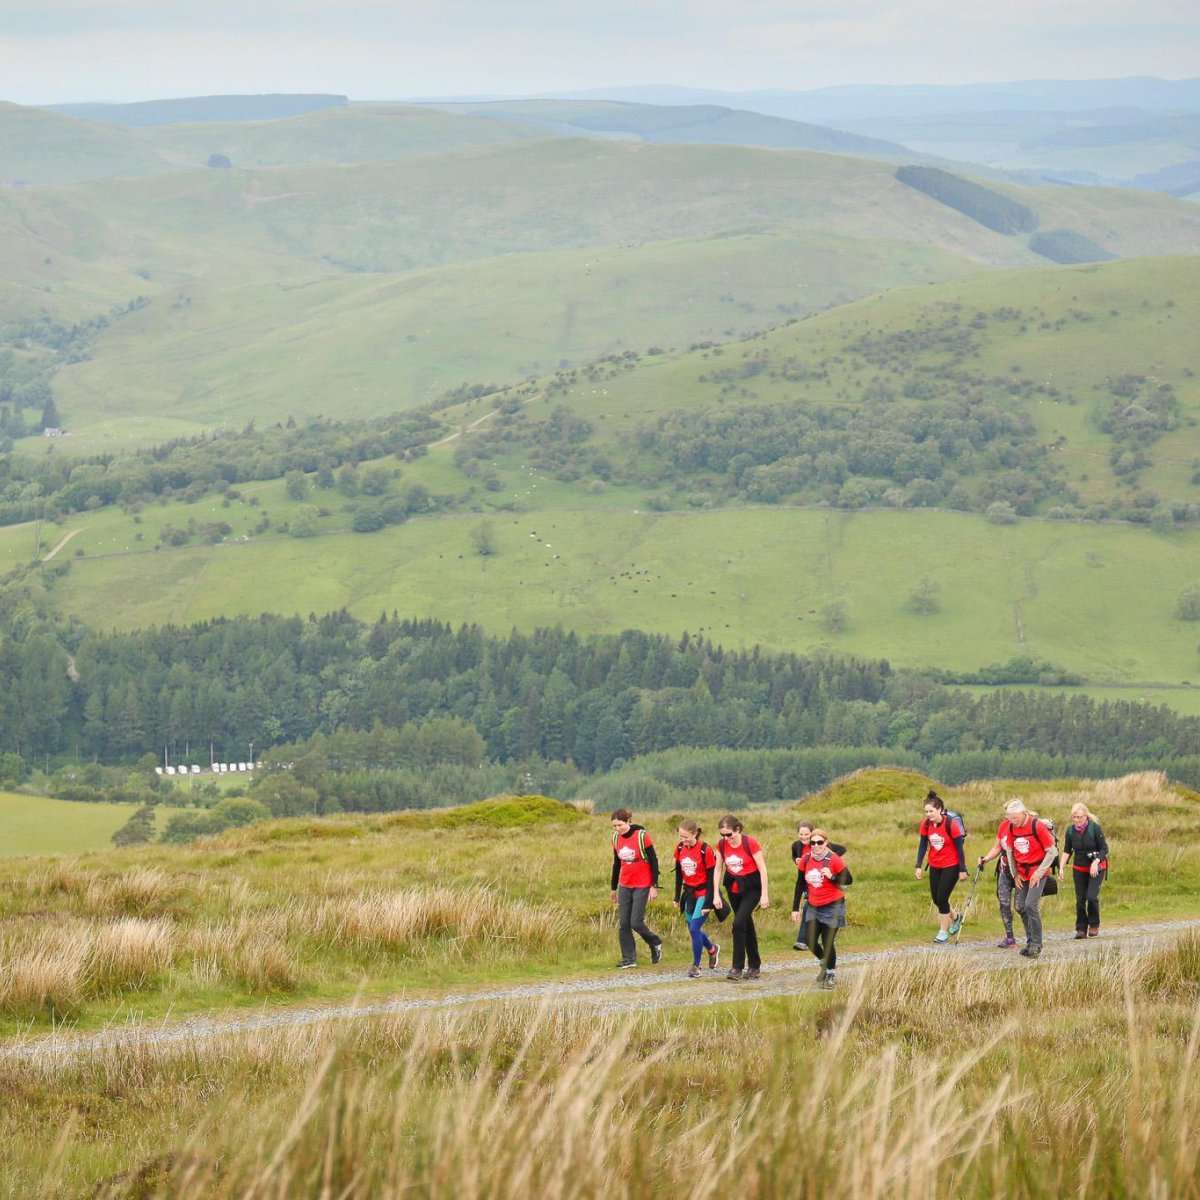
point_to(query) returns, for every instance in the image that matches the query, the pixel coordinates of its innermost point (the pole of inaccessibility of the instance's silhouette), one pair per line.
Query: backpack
(951, 815)
(844, 878)
(641, 841)
(1051, 882)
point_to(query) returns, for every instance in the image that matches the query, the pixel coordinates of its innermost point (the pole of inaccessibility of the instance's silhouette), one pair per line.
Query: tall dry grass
(917, 1083)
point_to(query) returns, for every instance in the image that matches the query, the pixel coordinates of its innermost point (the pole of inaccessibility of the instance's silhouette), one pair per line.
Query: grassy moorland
(396, 1104)
(324, 908)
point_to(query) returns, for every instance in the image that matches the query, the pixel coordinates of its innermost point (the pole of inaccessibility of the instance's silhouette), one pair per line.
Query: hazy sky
(61, 50)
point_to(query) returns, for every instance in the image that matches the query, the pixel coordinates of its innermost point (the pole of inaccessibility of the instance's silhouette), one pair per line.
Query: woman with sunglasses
(799, 850)
(741, 864)
(821, 872)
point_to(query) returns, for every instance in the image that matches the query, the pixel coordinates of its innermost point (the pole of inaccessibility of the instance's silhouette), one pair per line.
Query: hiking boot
(714, 953)
(941, 937)
(753, 973)
(1007, 942)
(734, 976)
(693, 972)
(1080, 935)
(656, 952)
(830, 981)
(1093, 931)
(1031, 952)
(955, 924)
(626, 963)
(799, 944)
(821, 974)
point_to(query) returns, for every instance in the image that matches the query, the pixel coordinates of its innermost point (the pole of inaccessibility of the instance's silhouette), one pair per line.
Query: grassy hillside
(1096, 599)
(40, 148)
(348, 134)
(302, 289)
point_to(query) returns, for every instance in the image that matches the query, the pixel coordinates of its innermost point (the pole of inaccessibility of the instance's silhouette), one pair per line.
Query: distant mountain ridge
(145, 113)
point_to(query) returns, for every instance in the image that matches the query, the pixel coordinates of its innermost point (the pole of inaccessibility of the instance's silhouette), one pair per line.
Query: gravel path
(659, 987)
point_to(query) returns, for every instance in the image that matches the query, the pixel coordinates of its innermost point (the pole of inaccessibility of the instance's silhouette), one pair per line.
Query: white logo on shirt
(689, 865)
(814, 878)
(734, 863)
(627, 854)
(936, 841)
(1021, 845)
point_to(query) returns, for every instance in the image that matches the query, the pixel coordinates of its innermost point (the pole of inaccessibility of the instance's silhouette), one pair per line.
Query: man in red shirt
(1030, 849)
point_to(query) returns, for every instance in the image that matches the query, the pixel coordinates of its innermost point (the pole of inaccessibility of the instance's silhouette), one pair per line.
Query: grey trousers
(1004, 894)
(1028, 903)
(631, 918)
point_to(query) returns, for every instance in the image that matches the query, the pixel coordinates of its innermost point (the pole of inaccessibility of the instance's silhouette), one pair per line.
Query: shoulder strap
(642, 842)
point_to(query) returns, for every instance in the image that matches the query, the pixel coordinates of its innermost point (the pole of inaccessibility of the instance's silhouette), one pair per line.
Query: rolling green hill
(302, 289)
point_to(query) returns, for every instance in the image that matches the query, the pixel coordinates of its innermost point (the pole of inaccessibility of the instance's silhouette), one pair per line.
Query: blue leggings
(696, 915)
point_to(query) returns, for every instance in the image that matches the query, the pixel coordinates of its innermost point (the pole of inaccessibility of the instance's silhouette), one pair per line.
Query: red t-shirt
(635, 870)
(1029, 845)
(695, 862)
(822, 891)
(942, 850)
(739, 860)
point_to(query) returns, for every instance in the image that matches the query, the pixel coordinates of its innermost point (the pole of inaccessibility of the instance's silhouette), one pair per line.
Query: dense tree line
(408, 696)
(981, 204)
(53, 486)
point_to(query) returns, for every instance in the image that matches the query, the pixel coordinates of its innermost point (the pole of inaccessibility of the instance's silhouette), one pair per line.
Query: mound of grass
(871, 785)
(498, 812)
(1068, 246)
(981, 204)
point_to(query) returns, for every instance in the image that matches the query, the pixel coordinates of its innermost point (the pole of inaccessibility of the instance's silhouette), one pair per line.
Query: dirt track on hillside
(664, 986)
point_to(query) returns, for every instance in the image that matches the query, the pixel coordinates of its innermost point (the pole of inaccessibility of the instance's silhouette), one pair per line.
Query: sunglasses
(818, 841)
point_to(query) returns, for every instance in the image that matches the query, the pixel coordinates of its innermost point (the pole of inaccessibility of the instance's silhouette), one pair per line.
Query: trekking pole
(967, 906)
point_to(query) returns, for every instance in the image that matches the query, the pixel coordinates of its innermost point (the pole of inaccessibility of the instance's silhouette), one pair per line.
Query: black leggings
(941, 884)
(1087, 900)
(820, 941)
(745, 938)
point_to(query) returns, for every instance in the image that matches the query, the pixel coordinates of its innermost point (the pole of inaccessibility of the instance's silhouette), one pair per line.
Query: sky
(57, 51)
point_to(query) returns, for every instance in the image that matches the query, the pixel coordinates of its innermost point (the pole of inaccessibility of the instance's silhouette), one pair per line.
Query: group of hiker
(1030, 863)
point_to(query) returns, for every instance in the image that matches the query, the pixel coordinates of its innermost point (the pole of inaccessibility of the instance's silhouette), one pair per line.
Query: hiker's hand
(613, 896)
(795, 918)
(979, 864)
(918, 872)
(962, 877)
(654, 893)
(675, 904)
(717, 902)
(827, 872)
(1095, 869)
(764, 903)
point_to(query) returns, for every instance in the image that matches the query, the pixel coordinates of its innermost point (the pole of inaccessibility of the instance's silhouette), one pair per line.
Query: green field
(38, 825)
(1097, 599)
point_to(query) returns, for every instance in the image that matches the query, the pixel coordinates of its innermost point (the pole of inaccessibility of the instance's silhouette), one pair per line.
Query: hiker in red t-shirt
(634, 885)
(942, 835)
(1031, 855)
(1005, 884)
(741, 864)
(820, 876)
(695, 870)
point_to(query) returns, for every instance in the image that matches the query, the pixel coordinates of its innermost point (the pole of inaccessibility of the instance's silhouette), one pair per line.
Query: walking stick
(967, 906)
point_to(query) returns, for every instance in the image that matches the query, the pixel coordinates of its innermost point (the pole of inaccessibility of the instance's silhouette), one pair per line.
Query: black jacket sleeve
(652, 859)
(678, 881)
(922, 846)
(962, 852)
(616, 871)
(798, 895)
